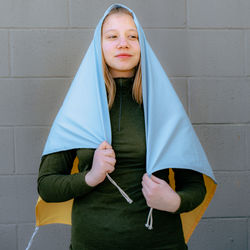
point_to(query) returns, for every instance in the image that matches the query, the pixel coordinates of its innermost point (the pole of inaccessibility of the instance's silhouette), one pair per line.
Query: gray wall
(204, 47)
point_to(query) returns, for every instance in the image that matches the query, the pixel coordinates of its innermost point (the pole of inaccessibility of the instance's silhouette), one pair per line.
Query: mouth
(123, 55)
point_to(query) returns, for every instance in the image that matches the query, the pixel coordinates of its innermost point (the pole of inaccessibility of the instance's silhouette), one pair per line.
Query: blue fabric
(83, 120)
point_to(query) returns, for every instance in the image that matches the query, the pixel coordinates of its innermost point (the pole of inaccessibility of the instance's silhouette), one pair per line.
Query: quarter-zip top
(127, 122)
(120, 111)
(123, 100)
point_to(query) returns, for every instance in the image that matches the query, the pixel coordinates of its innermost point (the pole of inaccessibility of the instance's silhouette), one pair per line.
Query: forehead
(118, 21)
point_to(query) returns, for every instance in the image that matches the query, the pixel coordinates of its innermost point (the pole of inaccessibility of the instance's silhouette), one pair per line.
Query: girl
(101, 218)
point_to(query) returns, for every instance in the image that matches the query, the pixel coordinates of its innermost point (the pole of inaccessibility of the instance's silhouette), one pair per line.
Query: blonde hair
(109, 81)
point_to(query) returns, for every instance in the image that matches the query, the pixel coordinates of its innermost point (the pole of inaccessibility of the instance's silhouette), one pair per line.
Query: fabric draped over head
(171, 141)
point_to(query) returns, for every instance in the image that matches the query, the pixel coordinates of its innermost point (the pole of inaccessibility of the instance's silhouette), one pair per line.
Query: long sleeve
(191, 188)
(55, 183)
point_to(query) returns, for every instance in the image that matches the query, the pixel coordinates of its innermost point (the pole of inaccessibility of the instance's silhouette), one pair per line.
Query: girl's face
(120, 45)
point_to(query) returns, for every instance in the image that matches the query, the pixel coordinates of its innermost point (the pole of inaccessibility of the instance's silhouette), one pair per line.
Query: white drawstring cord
(112, 181)
(121, 191)
(149, 223)
(32, 238)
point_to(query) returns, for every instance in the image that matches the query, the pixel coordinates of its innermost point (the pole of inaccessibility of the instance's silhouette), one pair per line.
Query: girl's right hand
(103, 163)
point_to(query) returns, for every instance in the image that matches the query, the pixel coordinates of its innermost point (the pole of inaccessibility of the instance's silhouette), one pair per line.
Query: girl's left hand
(159, 194)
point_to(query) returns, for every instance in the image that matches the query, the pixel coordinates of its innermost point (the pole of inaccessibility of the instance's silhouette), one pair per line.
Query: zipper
(120, 111)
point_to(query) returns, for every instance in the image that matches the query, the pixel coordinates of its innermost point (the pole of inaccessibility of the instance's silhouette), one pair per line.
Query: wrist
(172, 203)
(176, 203)
(90, 181)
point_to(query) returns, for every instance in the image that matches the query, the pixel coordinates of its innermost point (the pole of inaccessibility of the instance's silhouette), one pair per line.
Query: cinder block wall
(204, 47)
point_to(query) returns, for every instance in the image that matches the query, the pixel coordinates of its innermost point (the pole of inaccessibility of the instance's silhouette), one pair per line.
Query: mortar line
(170, 76)
(45, 28)
(194, 123)
(188, 98)
(225, 217)
(144, 27)
(25, 125)
(9, 54)
(247, 149)
(247, 230)
(19, 175)
(231, 171)
(222, 124)
(14, 148)
(68, 13)
(219, 77)
(187, 14)
(36, 77)
(244, 53)
(218, 28)
(17, 237)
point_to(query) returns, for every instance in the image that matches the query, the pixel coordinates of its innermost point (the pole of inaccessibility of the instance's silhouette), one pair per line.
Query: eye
(112, 36)
(133, 37)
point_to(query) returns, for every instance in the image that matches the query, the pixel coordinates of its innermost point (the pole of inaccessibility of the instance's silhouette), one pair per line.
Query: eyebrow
(116, 30)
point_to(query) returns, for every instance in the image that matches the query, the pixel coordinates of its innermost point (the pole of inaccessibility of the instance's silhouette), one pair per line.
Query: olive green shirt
(101, 217)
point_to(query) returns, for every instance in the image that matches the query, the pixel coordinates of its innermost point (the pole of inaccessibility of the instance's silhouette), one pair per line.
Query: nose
(123, 43)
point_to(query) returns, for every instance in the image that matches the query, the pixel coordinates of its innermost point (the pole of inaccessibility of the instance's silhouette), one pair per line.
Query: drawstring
(120, 190)
(113, 182)
(122, 193)
(32, 238)
(149, 223)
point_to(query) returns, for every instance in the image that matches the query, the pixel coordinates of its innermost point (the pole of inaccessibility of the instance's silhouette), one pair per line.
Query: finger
(144, 193)
(149, 187)
(147, 181)
(109, 167)
(146, 190)
(110, 170)
(156, 179)
(110, 161)
(104, 145)
(145, 177)
(109, 152)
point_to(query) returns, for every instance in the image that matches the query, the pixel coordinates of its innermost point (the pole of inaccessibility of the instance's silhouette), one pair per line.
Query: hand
(103, 163)
(159, 194)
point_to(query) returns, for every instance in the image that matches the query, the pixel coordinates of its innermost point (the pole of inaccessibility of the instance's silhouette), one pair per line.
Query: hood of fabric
(83, 120)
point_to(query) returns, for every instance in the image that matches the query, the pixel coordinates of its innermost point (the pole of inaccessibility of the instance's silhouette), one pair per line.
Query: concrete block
(247, 53)
(160, 13)
(6, 151)
(180, 86)
(219, 100)
(56, 237)
(18, 198)
(218, 234)
(225, 146)
(219, 14)
(36, 13)
(8, 237)
(232, 197)
(29, 144)
(48, 52)
(199, 52)
(31, 101)
(4, 52)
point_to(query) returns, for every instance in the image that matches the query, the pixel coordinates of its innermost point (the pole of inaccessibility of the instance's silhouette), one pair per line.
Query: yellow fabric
(55, 212)
(49, 213)
(191, 219)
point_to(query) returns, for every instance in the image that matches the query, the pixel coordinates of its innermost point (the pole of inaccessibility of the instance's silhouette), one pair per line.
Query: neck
(122, 74)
